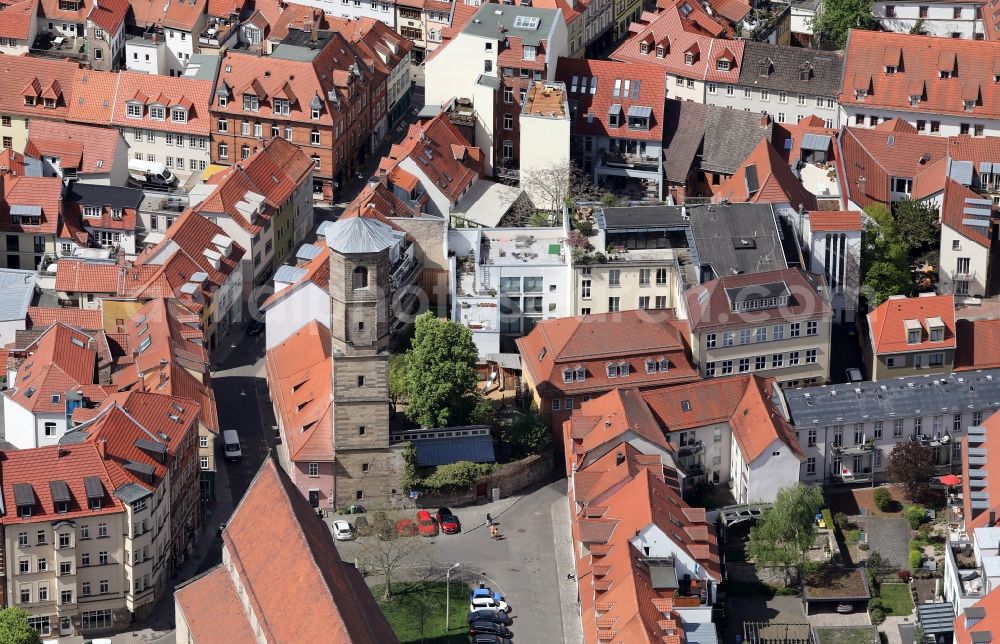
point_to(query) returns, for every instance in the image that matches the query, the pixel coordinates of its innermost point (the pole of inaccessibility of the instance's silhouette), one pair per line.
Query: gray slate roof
(785, 63)
(91, 194)
(893, 398)
(443, 451)
(16, 290)
(359, 235)
(683, 128)
(730, 137)
(718, 230)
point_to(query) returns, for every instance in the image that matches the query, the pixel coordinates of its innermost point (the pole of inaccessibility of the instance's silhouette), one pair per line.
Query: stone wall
(511, 478)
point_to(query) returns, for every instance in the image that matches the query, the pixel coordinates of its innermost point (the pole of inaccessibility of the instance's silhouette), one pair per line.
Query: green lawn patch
(897, 599)
(416, 612)
(848, 635)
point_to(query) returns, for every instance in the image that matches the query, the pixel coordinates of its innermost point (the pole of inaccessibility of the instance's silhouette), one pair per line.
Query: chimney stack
(314, 33)
(102, 448)
(619, 458)
(993, 518)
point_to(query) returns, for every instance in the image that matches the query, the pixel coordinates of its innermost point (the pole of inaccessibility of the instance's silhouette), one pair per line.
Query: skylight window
(144, 344)
(526, 22)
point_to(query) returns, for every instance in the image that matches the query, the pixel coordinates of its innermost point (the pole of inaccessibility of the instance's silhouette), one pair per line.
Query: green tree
(884, 279)
(786, 531)
(440, 380)
(885, 268)
(386, 551)
(528, 432)
(917, 223)
(839, 17)
(14, 627)
(397, 379)
(918, 28)
(912, 465)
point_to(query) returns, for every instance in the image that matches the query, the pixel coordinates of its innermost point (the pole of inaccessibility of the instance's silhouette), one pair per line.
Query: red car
(426, 524)
(449, 522)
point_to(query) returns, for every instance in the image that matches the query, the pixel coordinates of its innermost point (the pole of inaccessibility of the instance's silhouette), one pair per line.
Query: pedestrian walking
(489, 520)
(494, 532)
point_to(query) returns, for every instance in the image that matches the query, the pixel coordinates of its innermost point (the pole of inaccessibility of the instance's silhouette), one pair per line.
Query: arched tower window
(360, 277)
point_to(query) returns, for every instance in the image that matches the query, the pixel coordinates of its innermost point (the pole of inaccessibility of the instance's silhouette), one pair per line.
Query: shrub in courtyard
(916, 559)
(915, 515)
(883, 500)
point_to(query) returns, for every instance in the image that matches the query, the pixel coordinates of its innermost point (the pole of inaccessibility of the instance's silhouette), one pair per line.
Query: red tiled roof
(972, 64)
(43, 192)
(109, 15)
(46, 316)
(11, 163)
(978, 344)
(380, 45)
(708, 401)
(68, 463)
(52, 11)
(336, 605)
(889, 335)
(757, 423)
(92, 148)
(681, 36)
(298, 377)
(617, 84)
(182, 15)
(868, 154)
(226, 8)
(317, 272)
(199, 600)
(432, 147)
(16, 19)
(952, 213)
(983, 628)
(281, 17)
(775, 182)
(606, 419)
(100, 99)
(834, 220)
(275, 173)
(592, 342)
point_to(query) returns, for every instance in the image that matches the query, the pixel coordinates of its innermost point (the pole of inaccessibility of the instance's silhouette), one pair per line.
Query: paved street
(522, 565)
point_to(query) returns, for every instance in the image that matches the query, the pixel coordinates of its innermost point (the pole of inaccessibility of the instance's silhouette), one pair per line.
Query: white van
(152, 173)
(231, 445)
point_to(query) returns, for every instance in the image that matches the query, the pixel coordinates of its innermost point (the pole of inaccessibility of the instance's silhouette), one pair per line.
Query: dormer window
(29, 100)
(860, 94)
(650, 366)
(581, 374)
(615, 115)
(567, 375)
(223, 100)
(722, 65)
(689, 59)
(805, 72)
(623, 369)
(913, 337)
(314, 115)
(157, 112)
(282, 106)
(612, 371)
(91, 211)
(913, 331)
(914, 100)
(937, 335)
(251, 102)
(969, 105)
(890, 69)
(178, 115)
(50, 103)
(643, 48)
(133, 110)
(944, 73)
(661, 51)
(62, 507)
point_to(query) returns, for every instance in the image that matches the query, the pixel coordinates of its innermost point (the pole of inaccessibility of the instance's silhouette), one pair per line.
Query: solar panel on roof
(972, 201)
(753, 184)
(23, 210)
(60, 491)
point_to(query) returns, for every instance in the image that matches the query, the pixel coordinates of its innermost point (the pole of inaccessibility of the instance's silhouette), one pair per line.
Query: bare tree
(556, 184)
(386, 551)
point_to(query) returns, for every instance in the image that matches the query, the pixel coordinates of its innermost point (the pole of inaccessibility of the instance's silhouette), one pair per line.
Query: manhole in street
(520, 529)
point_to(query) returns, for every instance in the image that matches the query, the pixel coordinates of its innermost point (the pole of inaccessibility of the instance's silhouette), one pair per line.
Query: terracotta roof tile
(52, 11)
(889, 334)
(622, 84)
(183, 15)
(45, 316)
(953, 213)
(978, 344)
(109, 15)
(764, 177)
(757, 423)
(16, 19)
(970, 63)
(60, 360)
(92, 148)
(298, 377)
(337, 607)
(834, 220)
(591, 342)
(41, 192)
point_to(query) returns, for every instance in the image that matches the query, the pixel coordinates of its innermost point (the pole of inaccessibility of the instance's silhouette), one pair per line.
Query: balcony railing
(690, 448)
(630, 160)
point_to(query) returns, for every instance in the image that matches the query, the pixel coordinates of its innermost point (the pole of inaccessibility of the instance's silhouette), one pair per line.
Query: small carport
(831, 588)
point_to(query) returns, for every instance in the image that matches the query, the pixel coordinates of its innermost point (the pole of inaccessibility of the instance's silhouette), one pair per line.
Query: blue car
(485, 592)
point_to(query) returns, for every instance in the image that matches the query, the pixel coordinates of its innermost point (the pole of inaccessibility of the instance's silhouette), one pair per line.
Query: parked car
(485, 591)
(449, 522)
(480, 603)
(426, 524)
(490, 615)
(342, 531)
(231, 445)
(490, 628)
(486, 638)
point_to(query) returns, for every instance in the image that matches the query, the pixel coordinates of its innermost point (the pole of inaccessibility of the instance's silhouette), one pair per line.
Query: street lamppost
(447, 597)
